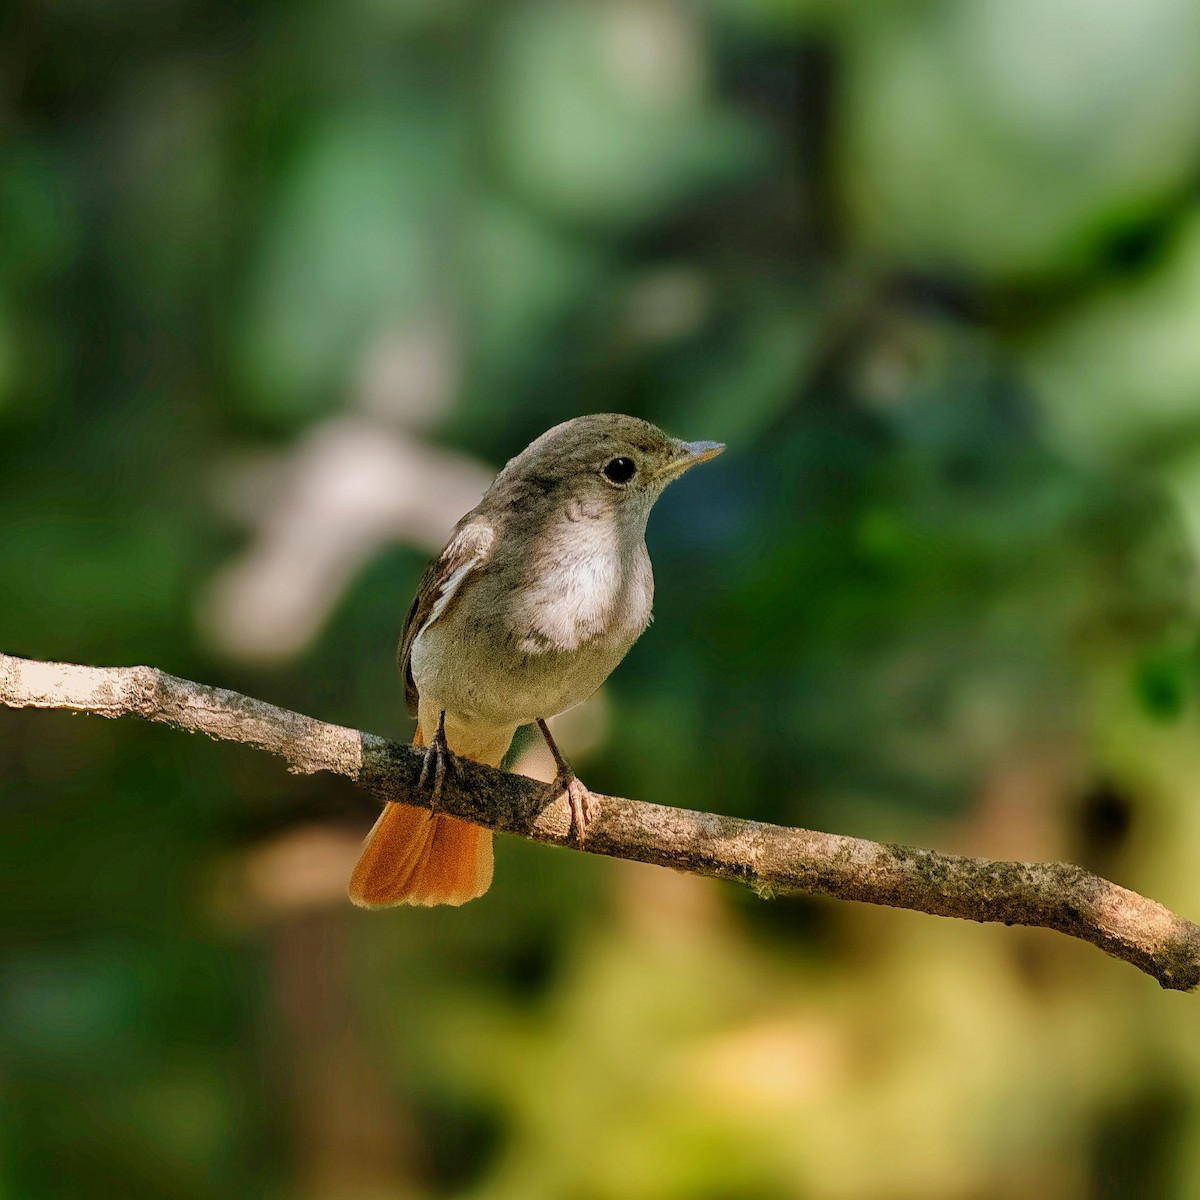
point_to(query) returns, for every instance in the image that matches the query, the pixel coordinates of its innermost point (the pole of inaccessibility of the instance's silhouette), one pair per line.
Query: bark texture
(769, 858)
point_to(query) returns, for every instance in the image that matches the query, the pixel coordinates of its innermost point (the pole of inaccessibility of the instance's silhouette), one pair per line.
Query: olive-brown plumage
(537, 596)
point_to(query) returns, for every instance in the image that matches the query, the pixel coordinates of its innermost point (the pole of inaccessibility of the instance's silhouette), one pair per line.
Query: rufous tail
(413, 856)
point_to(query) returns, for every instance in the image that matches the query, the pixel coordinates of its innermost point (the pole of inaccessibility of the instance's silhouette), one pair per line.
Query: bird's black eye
(620, 470)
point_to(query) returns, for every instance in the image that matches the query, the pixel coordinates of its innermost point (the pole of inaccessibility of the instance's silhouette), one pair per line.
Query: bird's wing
(443, 580)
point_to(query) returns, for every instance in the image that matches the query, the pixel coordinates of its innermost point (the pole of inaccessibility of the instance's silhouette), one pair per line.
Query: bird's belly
(498, 682)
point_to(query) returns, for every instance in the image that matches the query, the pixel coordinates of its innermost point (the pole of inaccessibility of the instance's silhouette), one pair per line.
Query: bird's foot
(581, 801)
(583, 804)
(438, 759)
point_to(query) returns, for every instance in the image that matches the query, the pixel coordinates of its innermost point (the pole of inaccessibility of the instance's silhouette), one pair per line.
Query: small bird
(540, 592)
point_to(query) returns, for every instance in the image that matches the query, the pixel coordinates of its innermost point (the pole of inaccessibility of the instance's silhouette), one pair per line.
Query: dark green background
(931, 269)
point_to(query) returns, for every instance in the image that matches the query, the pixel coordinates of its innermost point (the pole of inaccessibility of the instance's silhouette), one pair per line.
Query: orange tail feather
(412, 856)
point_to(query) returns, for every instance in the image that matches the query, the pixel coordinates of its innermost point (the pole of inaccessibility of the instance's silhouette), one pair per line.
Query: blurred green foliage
(930, 269)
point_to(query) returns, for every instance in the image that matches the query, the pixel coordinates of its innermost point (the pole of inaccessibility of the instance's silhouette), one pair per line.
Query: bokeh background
(281, 285)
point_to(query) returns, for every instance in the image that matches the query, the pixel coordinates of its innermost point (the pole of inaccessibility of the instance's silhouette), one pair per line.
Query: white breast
(577, 588)
(515, 653)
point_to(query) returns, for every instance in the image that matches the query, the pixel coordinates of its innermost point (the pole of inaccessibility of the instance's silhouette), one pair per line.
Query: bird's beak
(688, 454)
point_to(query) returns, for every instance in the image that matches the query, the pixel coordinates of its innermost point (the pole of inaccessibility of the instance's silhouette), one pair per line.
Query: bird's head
(604, 463)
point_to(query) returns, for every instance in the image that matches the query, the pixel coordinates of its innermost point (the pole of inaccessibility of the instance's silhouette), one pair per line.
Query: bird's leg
(437, 757)
(565, 780)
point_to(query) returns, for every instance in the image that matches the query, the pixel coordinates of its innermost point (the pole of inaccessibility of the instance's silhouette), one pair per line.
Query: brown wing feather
(443, 581)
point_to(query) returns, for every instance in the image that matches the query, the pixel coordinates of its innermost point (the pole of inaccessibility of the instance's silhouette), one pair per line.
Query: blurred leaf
(999, 137)
(352, 246)
(1120, 374)
(1161, 685)
(602, 115)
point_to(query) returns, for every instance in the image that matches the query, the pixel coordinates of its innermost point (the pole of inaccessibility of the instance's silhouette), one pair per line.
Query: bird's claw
(437, 759)
(581, 802)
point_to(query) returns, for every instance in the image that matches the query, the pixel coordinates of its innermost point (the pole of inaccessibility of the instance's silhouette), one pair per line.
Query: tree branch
(770, 858)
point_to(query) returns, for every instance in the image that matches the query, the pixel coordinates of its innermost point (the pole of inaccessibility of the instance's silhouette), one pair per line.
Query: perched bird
(538, 595)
